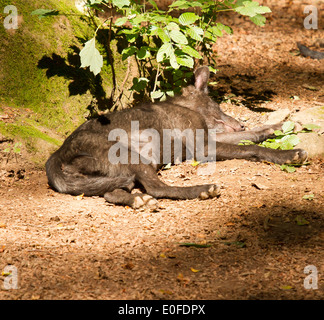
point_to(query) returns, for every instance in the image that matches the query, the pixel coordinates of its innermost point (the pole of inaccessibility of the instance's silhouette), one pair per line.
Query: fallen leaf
(308, 196)
(306, 86)
(183, 279)
(195, 163)
(196, 245)
(79, 197)
(3, 225)
(259, 186)
(194, 270)
(259, 205)
(301, 221)
(169, 292)
(167, 166)
(128, 266)
(286, 287)
(266, 223)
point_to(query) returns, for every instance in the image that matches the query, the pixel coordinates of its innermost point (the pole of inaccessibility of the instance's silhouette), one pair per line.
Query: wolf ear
(201, 78)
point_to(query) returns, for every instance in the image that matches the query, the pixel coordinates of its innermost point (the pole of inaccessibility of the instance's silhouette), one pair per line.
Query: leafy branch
(166, 45)
(285, 139)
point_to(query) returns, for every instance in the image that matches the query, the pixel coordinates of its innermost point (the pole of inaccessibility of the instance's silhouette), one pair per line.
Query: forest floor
(255, 239)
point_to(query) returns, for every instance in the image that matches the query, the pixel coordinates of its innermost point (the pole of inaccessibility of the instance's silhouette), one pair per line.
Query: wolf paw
(299, 156)
(141, 200)
(212, 192)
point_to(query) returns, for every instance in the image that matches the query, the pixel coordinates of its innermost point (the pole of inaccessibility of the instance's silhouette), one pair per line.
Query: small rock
(278, 116)
(312, 142)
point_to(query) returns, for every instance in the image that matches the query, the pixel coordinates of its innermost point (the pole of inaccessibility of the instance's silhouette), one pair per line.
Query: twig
(123, 84)
(156, 78)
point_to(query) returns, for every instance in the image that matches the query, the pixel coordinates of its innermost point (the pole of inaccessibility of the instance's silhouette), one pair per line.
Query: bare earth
(259, 235)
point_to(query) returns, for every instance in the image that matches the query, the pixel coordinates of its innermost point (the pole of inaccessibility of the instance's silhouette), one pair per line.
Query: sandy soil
(256, 238)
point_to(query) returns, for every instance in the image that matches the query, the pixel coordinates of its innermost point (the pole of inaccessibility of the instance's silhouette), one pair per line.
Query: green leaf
(251, 9)
(278, 133)
(156, 94)
(16, 148)
(288, 126)
(180, 4)
(191, 52)
(246, 142)
(195, 33)
(288, 142)
(170, 93)
(173, 60)
(188, 18)
(42, 13)
(301, 221)
(287, 168)
(185, 61)
(215, 30)
(139, 84)
(270, 143)
(311, 127)
(91, 57)
(211, 69)
(121, 3)
(162, 35)
(121, 21)
(259, 20)
(173, 26)
(131, 36)
(153, 3)
(164, 52)
(308, 196)
(127, 52)
(143, 53)
(222, 27)
(95, 2)
(178, 37)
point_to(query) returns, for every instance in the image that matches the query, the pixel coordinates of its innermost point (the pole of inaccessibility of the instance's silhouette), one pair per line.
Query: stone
(278, 116)
(312, 142)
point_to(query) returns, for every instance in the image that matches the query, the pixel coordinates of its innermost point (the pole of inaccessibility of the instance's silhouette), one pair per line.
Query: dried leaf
(194, 163)
(301, 221)
(308, 196)
(194, 270)
(79, 197)
(3, 225)
(196, 245)
(128, 266)
(183, 279)
(286, 287)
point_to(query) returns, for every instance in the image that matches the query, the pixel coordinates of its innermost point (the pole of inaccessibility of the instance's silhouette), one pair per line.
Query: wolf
(109, 155)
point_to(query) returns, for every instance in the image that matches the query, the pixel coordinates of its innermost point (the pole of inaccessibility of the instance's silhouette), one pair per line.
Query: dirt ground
(255, 239)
